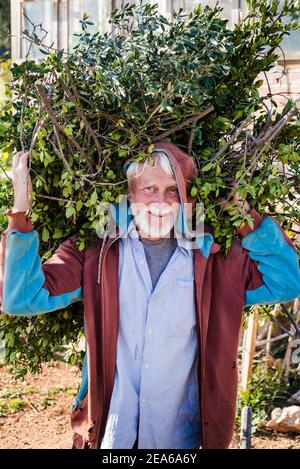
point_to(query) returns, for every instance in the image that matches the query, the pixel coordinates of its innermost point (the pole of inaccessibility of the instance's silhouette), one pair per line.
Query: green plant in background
(12, 401)
(266, 391)
(32, 341)
(5, 95)
(190, 80)
(17, 399)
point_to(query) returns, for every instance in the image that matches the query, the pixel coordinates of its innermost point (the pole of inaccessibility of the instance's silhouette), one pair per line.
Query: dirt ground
(35, 412)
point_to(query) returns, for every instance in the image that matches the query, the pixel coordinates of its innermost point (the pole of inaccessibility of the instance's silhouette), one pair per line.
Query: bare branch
(51, 114)
(82, 116)
(185, 123)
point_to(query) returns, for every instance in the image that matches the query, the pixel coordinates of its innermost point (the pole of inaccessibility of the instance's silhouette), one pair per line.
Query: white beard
(155, 220)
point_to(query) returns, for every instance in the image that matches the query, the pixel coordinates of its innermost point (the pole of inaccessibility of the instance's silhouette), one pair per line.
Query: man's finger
(24, 158)
(16, 158)
(20, 156)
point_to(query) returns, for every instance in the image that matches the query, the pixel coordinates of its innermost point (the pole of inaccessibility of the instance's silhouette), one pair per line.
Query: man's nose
(160, 197)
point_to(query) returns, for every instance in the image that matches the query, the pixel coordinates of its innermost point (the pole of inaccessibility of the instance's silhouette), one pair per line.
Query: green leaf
(57, 233)
(218, 170)
(237, 222)
(194, 191)
(78, 205)
(207, 167)
(45, 235)
(68, 130)
(67, 191)
(70, 211)
(44, 51)
(94, 198)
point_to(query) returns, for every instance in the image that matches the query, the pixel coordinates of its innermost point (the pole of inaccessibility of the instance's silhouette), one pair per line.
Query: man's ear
(130, 192)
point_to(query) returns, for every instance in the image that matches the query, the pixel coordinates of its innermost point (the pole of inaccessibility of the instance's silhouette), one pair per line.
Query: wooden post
(268, 341)
(288, 354)
(249, 339)
(16, 26)
(246, 422)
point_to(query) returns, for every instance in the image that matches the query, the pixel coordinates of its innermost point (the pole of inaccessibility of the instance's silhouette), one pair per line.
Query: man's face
(155, 202)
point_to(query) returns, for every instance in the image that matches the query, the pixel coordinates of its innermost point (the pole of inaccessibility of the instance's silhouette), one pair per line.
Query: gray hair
(157, 158)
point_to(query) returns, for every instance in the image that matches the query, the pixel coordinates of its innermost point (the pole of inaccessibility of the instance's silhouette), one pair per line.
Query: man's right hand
(21, 182)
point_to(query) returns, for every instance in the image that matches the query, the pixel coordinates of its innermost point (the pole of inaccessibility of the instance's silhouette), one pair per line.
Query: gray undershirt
(158, 253)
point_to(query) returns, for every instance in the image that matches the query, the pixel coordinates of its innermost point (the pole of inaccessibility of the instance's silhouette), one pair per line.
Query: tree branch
(83, 117)
(185, 123)
(53, 118)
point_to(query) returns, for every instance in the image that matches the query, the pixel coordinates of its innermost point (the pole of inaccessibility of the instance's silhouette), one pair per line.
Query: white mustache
(165, 217)
(158, 210)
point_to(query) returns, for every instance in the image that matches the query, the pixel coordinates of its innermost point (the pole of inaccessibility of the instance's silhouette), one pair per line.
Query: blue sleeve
(277, 261)
(30, 287)
(84, 384)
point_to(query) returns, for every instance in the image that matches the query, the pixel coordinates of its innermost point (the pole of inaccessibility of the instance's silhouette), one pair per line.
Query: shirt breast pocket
(182, 317)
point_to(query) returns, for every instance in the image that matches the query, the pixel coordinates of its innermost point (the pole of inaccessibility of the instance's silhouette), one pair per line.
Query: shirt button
(149, 331)
(146, 365)
(141, 261)
(143, 400)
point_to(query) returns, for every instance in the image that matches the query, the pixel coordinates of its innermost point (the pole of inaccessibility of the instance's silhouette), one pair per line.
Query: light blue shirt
(156, 384)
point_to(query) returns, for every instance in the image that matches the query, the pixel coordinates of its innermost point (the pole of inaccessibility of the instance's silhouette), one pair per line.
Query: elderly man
(162, 318)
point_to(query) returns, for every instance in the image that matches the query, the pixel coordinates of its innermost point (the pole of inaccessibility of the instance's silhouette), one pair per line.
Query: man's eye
(150, 188)
(173, 190)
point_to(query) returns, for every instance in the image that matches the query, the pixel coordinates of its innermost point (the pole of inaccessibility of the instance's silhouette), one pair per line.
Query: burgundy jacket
(220, 286)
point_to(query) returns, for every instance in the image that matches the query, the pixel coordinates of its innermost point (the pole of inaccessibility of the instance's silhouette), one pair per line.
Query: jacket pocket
(182, 317)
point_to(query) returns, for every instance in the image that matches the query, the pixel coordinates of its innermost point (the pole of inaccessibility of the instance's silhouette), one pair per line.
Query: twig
(5, 173)
(39, 43)
(191, 139)
(82, 116)
(266, 139)
(183, 124)
(294, 231)
(57, 125)
(8, 104)
(289, 315)
(38, 126)
(108, 183)
(60, 152)
(261, 343)
(271, 133)
(30, 403)
(56, 198)
(233, 138)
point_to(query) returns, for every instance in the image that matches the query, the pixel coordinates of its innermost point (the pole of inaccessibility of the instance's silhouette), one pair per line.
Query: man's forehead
(152, 175)
(154, 180)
